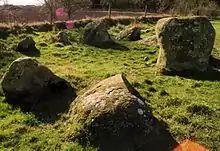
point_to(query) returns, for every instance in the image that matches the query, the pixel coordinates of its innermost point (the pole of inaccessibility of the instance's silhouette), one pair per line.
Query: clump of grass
(200, 109)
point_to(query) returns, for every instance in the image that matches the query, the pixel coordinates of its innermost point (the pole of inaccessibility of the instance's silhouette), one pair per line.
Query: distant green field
(190, 107)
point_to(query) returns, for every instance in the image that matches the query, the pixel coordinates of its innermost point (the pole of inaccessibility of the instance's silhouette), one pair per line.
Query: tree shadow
(31, 52)
(49, 106)
(211, 74)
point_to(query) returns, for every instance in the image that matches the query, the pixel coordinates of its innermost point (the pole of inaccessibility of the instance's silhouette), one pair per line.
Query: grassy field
(189, 106)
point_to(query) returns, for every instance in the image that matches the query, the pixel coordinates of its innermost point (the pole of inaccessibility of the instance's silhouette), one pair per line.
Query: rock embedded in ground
(26, 45)
(27, 82)
(63, 37)
(96, 33)
(112, 112)
(185, 43)
(132, 34)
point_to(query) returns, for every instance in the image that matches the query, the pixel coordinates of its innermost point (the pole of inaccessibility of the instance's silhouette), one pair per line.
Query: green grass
(191, 108)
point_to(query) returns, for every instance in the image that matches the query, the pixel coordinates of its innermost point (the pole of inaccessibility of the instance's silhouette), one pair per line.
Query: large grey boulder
(185, 43)
(96, 33)
(132, 34)
(27, 81)
(114, 117)
(27, 44)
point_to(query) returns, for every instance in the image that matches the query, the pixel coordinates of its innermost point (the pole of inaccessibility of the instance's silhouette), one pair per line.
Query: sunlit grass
(174, 100)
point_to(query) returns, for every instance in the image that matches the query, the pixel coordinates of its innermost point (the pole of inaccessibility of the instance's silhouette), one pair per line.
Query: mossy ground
(191, 108)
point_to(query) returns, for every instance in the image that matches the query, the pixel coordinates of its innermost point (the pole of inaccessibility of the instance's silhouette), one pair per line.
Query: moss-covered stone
(132, 34)
(27, 81)
(185, 43)
(27, 44)
(113, 113)
(96, 33)
(63, 37)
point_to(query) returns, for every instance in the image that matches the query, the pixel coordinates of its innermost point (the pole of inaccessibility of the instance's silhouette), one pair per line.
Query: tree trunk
(145, 11)
(109, 10)
(69, 14)
(51, 14)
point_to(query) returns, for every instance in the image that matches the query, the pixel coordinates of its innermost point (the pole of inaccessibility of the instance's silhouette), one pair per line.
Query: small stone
(196, 85)
(140, 111)
(146, 58)
(132, 34)
(140, 102)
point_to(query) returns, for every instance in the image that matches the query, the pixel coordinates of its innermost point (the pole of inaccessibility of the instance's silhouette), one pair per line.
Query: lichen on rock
(185, 43)
(96, 33)
(63, 38)
(27, 44)
(112, 112)
(132, 34)
(27, 83)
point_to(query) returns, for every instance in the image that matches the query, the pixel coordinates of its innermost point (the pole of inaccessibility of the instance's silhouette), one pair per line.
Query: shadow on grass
(111, 45)
(48, 107)
(211, 74)
(31, 52)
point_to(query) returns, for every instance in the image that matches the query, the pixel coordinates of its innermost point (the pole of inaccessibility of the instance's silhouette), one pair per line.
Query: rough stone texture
(27, 81)
(63, 38)
(112, 113)
(185, 43)
(96, 33)
(132, 34)
(27, 44)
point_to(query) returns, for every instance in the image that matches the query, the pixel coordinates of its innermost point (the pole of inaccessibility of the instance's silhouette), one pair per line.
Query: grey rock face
(96, 33)
(185, 43)
(26, 45)
(132, 34)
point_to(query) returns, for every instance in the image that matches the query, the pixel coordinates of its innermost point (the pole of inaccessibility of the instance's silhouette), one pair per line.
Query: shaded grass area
(191, 108)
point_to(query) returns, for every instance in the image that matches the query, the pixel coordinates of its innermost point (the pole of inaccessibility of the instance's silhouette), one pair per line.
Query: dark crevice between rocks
(47, 107)
(211, 74)
(134, 134)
